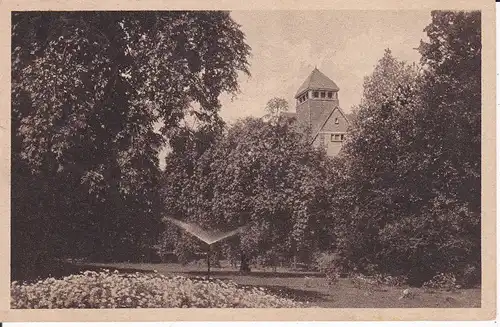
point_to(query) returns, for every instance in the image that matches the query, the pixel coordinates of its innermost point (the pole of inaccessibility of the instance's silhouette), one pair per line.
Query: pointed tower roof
(317, 80)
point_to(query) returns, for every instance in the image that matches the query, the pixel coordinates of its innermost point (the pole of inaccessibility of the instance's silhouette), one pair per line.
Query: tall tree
(452, 58)
(263, 175)
(377, 160)
(412, 160)
(452, 133)
(88, 90)
(274, 108)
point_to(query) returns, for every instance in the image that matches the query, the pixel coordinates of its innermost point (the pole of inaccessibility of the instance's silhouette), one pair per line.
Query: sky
(344, 45)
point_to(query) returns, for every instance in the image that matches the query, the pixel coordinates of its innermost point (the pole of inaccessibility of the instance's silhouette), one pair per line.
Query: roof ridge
(317, 79)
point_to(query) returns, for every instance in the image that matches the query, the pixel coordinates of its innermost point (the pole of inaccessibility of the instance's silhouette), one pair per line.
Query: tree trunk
(244, 264)
(208, 262)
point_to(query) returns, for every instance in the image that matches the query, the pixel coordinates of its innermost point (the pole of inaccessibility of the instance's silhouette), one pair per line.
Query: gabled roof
(317, 80)
(323, 121)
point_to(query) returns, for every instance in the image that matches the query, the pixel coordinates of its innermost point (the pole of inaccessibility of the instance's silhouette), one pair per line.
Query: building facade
(318, 112)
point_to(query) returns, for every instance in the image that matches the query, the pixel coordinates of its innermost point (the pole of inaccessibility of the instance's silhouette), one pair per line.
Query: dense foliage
(411, 163)
(107, 290)
(95, 96)
(262, 174)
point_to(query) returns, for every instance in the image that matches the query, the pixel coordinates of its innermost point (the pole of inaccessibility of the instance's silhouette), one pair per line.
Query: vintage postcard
(264, 161)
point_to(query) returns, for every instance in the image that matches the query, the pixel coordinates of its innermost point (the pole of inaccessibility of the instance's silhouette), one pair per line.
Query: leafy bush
(420, 246)
(329, 264)
(269, 259)
(164, 247)
(442, 281)
(470, 275)
(114, 290)
(360, 280)
(439, 240)
(388, 280)
(324, 260)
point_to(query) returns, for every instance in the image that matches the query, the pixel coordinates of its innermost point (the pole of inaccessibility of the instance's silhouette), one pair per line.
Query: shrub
(442, 281)
(113, 290)
(388, 280)
(443, 238)
(329, 264)
(470, 275)
(360, 280)
(324, 260)
(438, 240)
(164, 247)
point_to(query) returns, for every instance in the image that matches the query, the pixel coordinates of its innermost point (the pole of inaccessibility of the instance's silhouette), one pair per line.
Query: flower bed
(114, 290)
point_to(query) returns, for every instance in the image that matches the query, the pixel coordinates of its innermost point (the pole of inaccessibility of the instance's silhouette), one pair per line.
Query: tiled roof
(317, 80)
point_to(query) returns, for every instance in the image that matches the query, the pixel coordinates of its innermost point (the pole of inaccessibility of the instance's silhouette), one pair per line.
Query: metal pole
(208, 261)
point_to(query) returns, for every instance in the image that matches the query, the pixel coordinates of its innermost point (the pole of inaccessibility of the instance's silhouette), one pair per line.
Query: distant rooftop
(317, 80)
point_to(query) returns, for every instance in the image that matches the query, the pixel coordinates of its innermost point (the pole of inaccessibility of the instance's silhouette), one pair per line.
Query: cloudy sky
(344, 45)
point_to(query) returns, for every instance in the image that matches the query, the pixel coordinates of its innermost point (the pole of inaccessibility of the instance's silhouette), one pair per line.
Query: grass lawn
(313, 288)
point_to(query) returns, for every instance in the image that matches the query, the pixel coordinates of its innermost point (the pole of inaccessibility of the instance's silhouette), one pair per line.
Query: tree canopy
(411, 162)
(274, 107)
(260, 174)
(95, 96)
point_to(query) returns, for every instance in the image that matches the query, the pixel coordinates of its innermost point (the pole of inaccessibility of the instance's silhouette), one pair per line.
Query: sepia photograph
(246, 159)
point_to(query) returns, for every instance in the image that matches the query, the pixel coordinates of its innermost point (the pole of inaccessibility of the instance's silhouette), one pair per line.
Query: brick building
(318, 112)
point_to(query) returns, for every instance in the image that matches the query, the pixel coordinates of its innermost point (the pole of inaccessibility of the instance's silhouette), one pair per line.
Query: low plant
(327, 263)
(442, 281)
(377, 280)
(324, 260)
(115, 290)
(388, 280)
(470, 275)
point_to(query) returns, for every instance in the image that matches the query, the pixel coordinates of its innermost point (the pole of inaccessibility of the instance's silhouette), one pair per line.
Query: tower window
(336, 120)
(323, 94)
(337, 137)
(316, 94)
(330, 95)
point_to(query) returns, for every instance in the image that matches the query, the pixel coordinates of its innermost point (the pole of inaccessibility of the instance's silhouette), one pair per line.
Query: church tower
(318, 112)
